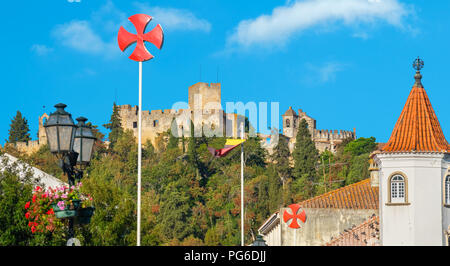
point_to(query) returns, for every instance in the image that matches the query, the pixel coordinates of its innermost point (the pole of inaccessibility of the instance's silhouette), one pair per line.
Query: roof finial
(418, 65)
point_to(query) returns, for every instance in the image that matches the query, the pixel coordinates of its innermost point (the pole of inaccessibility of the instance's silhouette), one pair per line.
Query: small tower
(414, 208)
(289, 123)
(42, 135)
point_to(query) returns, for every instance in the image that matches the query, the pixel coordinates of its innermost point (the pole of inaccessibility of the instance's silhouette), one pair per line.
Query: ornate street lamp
(83, 142)
(73, 145)
(60, 129)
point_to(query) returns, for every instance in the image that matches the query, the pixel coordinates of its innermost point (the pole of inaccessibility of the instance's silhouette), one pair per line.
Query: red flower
(33, 229)
(27, 205)
(27, 215)
(50, 211)
(34, 198)
(37, 188)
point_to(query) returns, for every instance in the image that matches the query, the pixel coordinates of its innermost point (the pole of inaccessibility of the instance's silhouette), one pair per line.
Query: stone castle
(205, 102)
(205, 111)
(324, 139)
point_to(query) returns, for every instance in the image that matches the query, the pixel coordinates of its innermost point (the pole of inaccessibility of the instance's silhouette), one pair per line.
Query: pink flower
(61, 205)
(64, 196)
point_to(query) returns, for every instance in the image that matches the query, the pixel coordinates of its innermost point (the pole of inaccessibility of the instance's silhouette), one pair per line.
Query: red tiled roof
(365, 234)
(417, 128)
(359, 195)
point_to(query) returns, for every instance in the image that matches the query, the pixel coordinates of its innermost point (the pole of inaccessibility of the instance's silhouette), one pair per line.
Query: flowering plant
(40, 211)
(70, 197)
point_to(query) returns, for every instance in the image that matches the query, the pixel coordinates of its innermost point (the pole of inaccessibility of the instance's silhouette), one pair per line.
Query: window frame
(446, 193)
(399, 183)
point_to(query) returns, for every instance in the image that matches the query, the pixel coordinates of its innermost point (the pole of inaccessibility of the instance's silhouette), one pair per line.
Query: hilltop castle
(324, 139)
(205, 111)
(205, 102)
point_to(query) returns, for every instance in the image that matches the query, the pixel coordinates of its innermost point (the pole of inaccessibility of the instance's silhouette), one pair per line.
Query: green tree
(305, 157)
(19, 130)
(173, 141)
(361, 146)
(115, 126)
(281, 160)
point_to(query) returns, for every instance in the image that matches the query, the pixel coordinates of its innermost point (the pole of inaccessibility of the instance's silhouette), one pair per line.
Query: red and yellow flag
(230, 144)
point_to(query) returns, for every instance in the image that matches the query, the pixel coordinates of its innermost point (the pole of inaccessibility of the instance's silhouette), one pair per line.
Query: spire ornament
(418, 65)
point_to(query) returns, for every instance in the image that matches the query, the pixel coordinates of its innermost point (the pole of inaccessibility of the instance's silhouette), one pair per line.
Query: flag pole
(139, 158)
(242, 185)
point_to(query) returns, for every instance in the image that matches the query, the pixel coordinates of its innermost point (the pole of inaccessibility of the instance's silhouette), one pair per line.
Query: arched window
(398, 189)
(447, 190)
(288, 123)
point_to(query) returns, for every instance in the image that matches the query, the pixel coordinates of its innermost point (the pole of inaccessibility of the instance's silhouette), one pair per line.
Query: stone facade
(204, 109)
(323, 139)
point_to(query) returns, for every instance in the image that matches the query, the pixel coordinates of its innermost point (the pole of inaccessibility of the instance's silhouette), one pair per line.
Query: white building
(414, 177)
(408, 192)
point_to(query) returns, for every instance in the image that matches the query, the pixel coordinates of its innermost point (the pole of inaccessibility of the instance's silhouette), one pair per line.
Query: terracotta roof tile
(359, 195)
(365, 234)
(417, 128)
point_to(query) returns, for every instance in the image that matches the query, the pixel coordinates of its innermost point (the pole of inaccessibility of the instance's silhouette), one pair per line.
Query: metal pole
(295, 237)
(242, 186)
(139, 158)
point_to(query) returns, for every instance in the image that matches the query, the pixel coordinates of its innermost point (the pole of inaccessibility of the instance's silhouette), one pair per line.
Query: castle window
(397, 189)
(155, 123)
(134, 124)
(447, 190)
(288, 123)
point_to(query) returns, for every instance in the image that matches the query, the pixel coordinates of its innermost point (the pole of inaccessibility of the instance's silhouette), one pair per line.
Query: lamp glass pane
(65, 138)
(52, 138)
(87, 149)
(76, 147)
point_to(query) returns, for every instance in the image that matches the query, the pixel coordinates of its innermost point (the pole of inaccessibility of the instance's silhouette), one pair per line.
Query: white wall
(321, 224)
(420, 222)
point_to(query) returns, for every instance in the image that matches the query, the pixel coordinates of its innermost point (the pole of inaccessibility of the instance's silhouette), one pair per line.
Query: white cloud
(293, 18)
(361, 35)
(326, 72)
(73, 1)
(41, 49)
(88, 36)
(79, 36)
(173, 19)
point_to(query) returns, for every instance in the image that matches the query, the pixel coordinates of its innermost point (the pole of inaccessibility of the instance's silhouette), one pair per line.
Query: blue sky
(347, 63)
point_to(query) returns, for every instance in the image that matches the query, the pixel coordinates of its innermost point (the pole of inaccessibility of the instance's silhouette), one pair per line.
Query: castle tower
(414, 180)
(289, 123)
(42, 135)
(204, 96)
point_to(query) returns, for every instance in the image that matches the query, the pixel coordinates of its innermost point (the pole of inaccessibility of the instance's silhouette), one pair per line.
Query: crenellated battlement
(333, 134)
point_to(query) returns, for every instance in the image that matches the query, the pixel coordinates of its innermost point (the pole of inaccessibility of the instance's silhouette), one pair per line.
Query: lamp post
(260, 242)
(72, 144)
